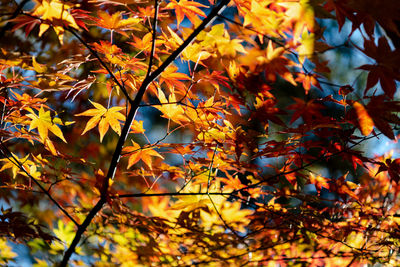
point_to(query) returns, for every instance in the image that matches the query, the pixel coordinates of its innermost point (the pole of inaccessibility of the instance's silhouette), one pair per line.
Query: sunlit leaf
(44, 123)
(365, 121)
(104, 118)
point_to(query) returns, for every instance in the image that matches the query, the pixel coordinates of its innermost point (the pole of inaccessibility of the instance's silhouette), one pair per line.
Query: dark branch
(13, 16)
(6, 152)
(96, 55)
(172, 194)
(125, 130)
(154, 37)
(323, 157)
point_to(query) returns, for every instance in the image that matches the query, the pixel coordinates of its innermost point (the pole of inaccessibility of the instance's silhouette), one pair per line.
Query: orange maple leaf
(116, 22)
(188, 8)
(138, 153)
(172, 79)
(365, 121)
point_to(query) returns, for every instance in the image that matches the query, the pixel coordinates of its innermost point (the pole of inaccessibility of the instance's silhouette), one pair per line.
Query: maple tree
(209, 133)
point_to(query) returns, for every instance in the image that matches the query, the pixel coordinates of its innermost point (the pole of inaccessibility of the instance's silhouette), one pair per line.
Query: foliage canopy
(211, 133)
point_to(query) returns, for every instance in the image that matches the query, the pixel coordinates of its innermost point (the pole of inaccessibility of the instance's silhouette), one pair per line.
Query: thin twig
(96, 55)
(13, 16)
(7, 153)
(154, 37)
(224, 222)
(171, 194)
(323, 157)
(210, 168)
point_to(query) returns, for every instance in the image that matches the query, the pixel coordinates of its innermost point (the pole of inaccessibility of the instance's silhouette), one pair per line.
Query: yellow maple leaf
(170, 109)
(191, 202)
(209, 38)
(138, 153)
(195, 52)
(6, 251)
(52, 12)
(265, 19)
(306, 49)
(44, 123)
(227, 47)
(137, 127)
(232, 214)
(13, 164)
(104, 118)
(39, 68)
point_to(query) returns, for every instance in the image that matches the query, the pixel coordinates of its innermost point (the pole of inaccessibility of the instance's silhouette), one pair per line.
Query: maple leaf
(232, 183)
(104, 118)
(305, 109)
(170, 109)
(230, 47)
(383, 113)
(319, 181)
(137, 127)
(173, 41)
(231, 213)
(209, 38)
(44, 123)
(173, 79)
(264, 19)
(392, 167)
(194, 52)
(271, 60)
(220, 38)
(137, 153)
(13, 164)
(191, 202)
(186, 8)
(144, 43)
(39, 68)
(344, 187)
(308, 80)
(116, 22)
(28, 22)
(386, 69)
(216, 79)
(306, 49)
(364, 120)
(53, 13)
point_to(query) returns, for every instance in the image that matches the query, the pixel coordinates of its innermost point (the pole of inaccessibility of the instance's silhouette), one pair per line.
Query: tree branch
(172, 194)
(7, 153)
(129, 120)
(96, 55)
(306, 165)
(13, 16)
(154, 36)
